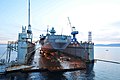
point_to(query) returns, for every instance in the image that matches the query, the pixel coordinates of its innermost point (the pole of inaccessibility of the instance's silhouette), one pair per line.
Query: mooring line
(108, 61)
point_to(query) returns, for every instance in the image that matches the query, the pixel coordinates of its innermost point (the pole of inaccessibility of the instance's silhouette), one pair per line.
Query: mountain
(109, 45)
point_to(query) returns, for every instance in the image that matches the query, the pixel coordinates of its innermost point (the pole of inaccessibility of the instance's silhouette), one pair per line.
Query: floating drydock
(57, 53)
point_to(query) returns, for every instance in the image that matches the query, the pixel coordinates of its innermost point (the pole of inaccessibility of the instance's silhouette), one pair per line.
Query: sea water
(97, 71)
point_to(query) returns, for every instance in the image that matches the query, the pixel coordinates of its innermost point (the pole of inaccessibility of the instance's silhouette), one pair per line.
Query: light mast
(89, 36)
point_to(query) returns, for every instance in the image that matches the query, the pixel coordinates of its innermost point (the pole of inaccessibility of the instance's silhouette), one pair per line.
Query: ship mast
(29, 26)
(29, 31)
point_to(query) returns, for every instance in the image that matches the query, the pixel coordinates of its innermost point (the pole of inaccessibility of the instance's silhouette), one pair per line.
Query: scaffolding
(11, 46)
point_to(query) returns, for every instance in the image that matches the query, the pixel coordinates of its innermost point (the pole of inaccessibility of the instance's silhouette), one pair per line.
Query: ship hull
(52, 47)
(47, 48)
(55, 43)
(84, 50)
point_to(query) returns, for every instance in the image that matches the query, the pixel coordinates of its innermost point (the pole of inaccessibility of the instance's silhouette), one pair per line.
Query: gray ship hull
(54, 46)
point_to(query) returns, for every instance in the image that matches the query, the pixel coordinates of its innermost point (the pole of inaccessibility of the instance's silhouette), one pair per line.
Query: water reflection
(87, 74)
(90, 74)
(15, 76)
(54, 76)
(36, 76)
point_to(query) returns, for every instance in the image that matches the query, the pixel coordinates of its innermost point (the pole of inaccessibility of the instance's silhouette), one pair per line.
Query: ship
(67, 44)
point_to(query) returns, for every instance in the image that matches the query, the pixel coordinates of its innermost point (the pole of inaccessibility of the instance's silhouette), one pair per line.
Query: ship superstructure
(52, 42)
(25, 47)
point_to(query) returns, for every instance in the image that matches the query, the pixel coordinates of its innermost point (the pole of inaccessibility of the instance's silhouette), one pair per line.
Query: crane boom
(70, 23)
(73, 31)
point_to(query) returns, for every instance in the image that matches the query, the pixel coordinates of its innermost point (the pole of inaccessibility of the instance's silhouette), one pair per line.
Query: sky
(101, 17)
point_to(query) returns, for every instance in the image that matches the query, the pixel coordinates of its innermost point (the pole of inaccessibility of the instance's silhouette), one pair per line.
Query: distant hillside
(3, 44)
(111, 45)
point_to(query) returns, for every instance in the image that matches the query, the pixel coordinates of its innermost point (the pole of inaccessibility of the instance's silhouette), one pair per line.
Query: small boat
(106, 50)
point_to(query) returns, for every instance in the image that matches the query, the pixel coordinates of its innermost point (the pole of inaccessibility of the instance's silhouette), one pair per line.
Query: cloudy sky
(102, 17)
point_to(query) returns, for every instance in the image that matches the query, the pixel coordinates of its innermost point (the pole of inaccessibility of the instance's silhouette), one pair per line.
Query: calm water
(97, 71)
